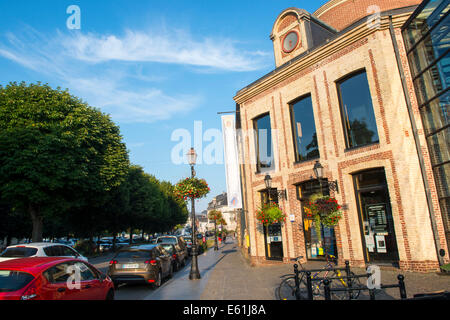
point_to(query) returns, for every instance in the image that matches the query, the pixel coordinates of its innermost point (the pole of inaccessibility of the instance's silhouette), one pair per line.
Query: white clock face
(290, 41)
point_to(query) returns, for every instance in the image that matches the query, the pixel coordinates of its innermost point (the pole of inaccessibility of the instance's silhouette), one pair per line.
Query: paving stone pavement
(233, 278)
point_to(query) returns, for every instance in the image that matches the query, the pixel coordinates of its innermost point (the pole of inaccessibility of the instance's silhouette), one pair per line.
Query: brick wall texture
(395, 152)
(342, 13)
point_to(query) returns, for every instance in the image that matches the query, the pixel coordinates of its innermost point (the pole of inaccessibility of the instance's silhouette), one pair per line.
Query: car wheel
(171, 271)
(158, 280)
(110, 295)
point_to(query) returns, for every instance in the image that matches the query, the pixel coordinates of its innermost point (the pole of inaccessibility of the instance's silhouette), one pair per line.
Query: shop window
(304, 129)
(358, 117)
(264, 149)
(316, 247)
(426, 36)
(273, 239)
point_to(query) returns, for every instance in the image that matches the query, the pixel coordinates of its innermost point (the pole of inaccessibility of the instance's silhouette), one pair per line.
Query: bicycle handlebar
(296, 259)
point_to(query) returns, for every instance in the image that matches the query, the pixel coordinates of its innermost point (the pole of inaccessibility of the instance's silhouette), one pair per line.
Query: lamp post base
(195, 273)
(194, 276)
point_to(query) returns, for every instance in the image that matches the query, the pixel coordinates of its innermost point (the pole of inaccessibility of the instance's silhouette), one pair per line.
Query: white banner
(231, 162)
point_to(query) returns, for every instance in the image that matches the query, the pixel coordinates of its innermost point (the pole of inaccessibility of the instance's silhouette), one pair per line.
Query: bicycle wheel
(288, 291)
(344, 295)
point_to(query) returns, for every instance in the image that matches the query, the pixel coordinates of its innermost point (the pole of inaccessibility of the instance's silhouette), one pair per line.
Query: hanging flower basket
(191, 188)
(269, 214)
(323, 210)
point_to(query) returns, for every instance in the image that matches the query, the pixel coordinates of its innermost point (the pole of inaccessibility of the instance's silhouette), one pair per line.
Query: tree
(56, 152)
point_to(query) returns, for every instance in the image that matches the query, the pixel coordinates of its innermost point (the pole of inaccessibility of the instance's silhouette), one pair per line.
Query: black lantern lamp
(279, 193)
(318, 172)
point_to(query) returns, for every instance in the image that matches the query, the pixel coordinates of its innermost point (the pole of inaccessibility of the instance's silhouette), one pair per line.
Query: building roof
(316, 48)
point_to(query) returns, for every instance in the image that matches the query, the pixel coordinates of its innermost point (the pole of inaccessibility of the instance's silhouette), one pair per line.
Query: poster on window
(381, 244)
(231, 162)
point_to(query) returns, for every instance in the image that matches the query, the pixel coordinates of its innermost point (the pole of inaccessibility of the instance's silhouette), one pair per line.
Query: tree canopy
(64, 164)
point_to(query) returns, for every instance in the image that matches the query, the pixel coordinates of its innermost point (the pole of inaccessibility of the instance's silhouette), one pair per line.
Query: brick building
(344, 95)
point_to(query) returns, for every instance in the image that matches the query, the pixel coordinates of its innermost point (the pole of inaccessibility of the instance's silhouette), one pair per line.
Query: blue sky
(154, 66)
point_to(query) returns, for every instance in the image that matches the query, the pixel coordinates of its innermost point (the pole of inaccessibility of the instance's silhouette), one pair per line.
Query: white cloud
(174, 47)
(97, 68)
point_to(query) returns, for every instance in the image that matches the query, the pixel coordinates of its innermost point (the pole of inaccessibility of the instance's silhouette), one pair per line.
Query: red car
(53, 278)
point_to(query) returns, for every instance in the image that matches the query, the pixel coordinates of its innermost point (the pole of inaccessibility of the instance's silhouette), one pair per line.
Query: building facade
(348, 93)
(220, 203)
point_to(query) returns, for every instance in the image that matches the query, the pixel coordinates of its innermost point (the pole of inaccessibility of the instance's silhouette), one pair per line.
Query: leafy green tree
(56, 152)
(14, 223)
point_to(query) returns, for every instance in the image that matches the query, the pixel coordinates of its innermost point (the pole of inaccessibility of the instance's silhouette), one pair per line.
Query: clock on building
(290, 41)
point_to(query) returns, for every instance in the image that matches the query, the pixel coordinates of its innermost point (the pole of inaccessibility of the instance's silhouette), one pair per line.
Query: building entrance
(375, 214)
(272, 234)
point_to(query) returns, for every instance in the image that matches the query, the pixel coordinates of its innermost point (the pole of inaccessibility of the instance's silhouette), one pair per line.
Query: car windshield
(167, 240)
(13, 280)
(167, 247)
(18, 252)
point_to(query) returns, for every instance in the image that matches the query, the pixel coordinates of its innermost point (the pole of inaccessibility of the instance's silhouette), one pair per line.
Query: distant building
(203, 222)
(220, 203)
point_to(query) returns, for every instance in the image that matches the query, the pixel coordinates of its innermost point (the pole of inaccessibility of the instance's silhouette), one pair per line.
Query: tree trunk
(98, 244)
(114, 242)
(91, 244)
(37, 224)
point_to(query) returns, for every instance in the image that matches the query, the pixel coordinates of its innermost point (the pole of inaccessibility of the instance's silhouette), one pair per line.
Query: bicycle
(294, 287)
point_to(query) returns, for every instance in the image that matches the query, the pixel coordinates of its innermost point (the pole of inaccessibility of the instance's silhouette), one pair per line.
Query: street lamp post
(216, 245)
(195, 273)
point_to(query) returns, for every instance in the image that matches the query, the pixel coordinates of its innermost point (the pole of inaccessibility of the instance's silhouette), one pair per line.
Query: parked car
(179, 255)
(141, 263)
(48, 278)
(69, 243)
(122, 244)
(174, 240)
(104, 245)
(40, 249)
(188, 242)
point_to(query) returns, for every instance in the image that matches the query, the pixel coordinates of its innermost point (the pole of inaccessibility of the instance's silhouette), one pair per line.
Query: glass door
(316, 247)
(376, 220)
(272, 234)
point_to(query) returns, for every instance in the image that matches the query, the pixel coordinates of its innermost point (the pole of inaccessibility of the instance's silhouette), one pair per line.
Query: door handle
(61, 289)
(87, 286)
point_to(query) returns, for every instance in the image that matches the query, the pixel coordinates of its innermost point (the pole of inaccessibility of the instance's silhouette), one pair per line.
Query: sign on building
(231, 162)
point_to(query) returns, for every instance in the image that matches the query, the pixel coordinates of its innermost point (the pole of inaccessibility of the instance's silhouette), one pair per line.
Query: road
(142, 291)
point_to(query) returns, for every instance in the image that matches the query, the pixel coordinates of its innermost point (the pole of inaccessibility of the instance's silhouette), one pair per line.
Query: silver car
(39, 249)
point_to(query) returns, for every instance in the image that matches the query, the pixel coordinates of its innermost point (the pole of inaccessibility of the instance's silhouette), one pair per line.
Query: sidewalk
(227, 275)
(234, 279)
(181, 288)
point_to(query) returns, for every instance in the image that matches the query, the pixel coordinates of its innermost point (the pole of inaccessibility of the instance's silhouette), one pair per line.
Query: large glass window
(316, 246)
(427, 39)
(304, 129)
(357, 111)
(264, 150)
